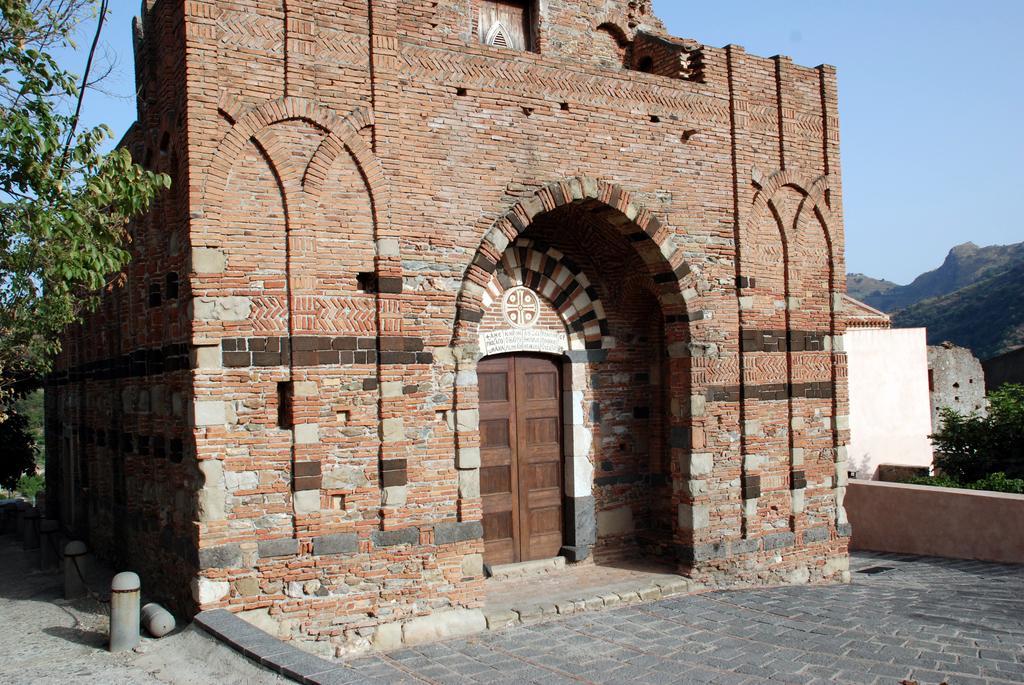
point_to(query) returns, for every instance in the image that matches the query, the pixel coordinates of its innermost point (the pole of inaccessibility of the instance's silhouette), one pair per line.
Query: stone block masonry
(280, 414)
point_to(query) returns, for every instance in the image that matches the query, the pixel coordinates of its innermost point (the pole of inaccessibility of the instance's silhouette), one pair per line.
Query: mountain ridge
(974, 299)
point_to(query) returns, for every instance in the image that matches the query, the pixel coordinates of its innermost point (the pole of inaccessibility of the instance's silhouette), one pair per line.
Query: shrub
(970, 447)
(30, 486)
(997, 482)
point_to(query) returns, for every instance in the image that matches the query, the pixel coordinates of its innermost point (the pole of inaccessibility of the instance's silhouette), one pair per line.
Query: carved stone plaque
(522, 340)
(521, 307)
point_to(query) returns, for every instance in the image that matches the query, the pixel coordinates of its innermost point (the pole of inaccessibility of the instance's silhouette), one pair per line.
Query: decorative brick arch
(558, 278)
(814, 190)
(650, 237)
(342, 135)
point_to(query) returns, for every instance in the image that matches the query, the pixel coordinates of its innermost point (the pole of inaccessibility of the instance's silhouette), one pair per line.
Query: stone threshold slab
(501, 613)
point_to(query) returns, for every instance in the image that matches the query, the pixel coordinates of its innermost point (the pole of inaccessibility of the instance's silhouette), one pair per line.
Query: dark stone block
(778, 541)
(451, 533)
(370, 384)
(282, 547)
(257, 344)
(580, 521)
(575, 552)
(485, 263)
(340, 543)
(680, 438)
(366, 343)
(303, 343)
(306, 468)
(747, 546)
(327, 357)
(414, 344)
(689, 554)
(587, 356)
(394, 538)
(394, 464)
(844, 530)
(346, 358)
(397, 357)
(304, 483)
(410, 389)
(390, 479)
(390, 343)
(305, 358)
(424, 357)
(751, 487)
(470, 315)
(390, 285)
(266, 359)
(225, 556)
(233, 360)
(345, 343)
(819, 534)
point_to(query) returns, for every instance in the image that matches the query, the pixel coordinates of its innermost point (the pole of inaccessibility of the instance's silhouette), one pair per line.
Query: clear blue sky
(931, 103)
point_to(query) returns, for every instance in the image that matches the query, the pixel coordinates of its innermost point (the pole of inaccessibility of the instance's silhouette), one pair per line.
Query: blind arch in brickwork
(341, 135)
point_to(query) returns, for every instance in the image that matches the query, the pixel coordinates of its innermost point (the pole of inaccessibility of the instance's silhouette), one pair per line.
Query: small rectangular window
(506, 23)
(284, 405)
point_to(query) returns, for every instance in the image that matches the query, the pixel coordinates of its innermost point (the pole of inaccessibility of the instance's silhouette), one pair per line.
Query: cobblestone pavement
(45, 639)
(926, 620)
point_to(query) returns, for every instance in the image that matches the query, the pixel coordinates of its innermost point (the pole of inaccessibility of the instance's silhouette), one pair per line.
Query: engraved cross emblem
(521, 307)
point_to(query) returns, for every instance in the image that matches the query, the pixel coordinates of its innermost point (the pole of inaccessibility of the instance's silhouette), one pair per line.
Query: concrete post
(49, 538)
(30, 529)
(156, 620)
(124, 611)
(74, 570)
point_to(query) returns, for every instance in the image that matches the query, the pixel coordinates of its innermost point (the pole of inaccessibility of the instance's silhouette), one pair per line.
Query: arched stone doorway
(583, 274)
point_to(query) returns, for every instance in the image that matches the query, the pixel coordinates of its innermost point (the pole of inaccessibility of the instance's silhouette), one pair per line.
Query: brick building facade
(412, 245)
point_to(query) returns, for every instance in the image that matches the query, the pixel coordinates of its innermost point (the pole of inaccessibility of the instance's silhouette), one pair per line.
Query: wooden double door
(522, 469)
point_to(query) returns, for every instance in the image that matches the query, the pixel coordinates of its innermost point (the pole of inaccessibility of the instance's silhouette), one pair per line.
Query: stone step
(527, 568)
(502, 617)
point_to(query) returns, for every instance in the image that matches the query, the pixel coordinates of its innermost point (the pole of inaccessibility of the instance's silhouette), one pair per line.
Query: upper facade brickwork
(358, 185)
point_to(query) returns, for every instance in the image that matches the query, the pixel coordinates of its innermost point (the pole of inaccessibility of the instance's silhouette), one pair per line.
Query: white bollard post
(156, 620)
(74, 562)
(124, 611)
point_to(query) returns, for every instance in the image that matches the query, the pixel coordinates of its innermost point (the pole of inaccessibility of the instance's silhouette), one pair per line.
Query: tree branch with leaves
(64, 203)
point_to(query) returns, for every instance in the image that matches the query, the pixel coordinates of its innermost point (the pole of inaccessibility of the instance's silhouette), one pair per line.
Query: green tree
(64, 203)
(970, 448)
(19, 456)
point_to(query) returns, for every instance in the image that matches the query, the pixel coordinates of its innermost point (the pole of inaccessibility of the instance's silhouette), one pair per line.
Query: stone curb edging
(308, 669)
(270, 652)
(500, 619)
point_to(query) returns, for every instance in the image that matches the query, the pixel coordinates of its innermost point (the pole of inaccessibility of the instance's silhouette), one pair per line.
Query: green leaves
(63, 215)
(971, 448)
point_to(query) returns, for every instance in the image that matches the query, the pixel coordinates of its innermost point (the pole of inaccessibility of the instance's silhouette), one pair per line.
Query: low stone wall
(941, 522)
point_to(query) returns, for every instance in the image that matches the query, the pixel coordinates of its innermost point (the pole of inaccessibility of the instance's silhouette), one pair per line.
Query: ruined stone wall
(357, 172)
(956, 380)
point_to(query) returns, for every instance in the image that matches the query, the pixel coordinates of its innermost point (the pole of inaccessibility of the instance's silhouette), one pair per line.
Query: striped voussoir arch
(556, 277)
